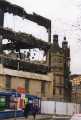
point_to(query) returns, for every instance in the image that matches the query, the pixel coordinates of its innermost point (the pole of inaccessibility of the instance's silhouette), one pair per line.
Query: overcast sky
(65, 16)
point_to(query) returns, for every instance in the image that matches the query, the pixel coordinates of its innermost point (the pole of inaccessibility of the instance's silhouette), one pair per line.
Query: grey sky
(65, 14)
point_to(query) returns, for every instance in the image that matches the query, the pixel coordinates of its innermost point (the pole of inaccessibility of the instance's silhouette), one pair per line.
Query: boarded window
(43, 84)
(60, 90)
(27, 85)
(8, 82)
(54, 91)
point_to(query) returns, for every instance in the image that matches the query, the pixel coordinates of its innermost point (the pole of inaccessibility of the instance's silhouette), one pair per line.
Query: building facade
(59, 64)
(15, 72)
(76, 88)
(49, 81)
(32, 83)
(67, 83)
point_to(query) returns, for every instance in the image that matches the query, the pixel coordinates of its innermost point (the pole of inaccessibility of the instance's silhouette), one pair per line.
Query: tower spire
(64, 43)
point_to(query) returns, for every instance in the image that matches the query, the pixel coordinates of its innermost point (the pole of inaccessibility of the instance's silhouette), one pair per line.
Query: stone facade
(76, 88)
(58, 69)
(32, 82)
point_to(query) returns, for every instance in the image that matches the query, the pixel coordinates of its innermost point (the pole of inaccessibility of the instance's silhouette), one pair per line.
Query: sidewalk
(38, 117)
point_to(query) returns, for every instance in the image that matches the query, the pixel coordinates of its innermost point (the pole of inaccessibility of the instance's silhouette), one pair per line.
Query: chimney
(55, 39)
(64, 43)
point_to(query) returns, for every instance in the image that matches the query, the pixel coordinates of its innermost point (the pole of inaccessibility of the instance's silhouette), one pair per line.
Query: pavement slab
(38, 117)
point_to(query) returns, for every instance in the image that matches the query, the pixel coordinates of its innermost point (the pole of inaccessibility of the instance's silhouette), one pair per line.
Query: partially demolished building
(24, 75)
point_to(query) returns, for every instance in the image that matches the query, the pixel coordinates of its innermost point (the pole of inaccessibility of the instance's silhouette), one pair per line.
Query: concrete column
(49, 54)
(1, 25)
(1, 44)
(1, 18)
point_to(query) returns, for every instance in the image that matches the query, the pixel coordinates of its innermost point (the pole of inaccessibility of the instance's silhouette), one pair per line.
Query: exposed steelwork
(21, 40)
(18, 40)
(1, 18)
(12, 63)
(6, 6)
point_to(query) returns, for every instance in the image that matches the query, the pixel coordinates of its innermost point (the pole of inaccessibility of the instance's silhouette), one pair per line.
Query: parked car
(76, 117)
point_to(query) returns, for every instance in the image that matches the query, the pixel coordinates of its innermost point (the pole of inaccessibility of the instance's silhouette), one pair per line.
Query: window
(54, 91)
(8, 82)
(27, 85)
(60, 85)
(60, 59)
(60, 90)
(80, 82)
(43, 84)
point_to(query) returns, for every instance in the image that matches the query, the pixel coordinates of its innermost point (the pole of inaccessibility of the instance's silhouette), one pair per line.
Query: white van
(76, 117)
